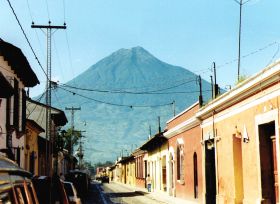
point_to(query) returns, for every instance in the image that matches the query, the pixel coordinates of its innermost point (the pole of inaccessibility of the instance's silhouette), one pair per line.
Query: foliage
(241, 79)
(63, 140)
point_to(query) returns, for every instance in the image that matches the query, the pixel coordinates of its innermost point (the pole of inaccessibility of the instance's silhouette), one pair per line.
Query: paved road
(114, 193)
(94, 196)
(119, 194)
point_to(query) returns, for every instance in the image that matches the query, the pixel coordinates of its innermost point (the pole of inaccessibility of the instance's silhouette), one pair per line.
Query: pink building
(16, 75)
(185, 155)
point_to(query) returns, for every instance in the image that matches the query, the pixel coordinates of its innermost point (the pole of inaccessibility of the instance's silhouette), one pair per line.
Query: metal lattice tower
(49, 29)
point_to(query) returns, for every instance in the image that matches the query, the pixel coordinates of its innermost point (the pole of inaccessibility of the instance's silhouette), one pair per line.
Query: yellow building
(157, 150)
(31, 146)
(241, 141)
(126, 165)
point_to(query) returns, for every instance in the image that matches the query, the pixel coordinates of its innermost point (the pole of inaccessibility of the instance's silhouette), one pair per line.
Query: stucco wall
(191, 144)
(243, 116)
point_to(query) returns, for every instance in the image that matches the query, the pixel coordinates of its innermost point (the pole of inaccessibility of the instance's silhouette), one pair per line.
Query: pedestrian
(149, 182)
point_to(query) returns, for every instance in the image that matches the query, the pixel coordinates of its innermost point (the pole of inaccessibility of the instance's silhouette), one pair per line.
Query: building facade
(184, 157)
(241, 142)
(15, 70)
(157, 151)
(31, 146)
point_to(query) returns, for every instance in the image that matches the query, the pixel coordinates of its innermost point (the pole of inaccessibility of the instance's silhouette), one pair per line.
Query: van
(15, 184)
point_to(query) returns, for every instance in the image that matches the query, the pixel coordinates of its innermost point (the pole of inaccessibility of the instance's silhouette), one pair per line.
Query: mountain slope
(130, 79)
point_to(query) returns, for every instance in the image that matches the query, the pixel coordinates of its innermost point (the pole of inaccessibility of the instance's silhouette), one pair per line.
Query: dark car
(15, 185)
(105, 179)
(81, 181)
(50, 190)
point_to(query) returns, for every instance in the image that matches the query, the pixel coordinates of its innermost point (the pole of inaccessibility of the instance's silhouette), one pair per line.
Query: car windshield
(68, 188)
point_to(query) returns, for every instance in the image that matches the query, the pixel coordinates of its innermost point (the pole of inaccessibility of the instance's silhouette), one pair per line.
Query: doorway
(268, 162)
(195, 177)
(210, 172)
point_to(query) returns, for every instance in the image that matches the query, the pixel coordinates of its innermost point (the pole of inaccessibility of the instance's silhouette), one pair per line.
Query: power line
(128, 92)
(137, 93)
(26, 38)
(39, 99)
(206, 70)
(63, 9)
(58, 58)
(115, 104)
(275, 54)
(48, 12)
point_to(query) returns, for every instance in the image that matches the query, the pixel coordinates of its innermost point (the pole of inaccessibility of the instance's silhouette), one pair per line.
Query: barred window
(180, 162)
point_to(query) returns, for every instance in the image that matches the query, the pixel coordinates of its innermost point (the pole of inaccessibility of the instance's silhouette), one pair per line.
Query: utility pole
(80, 154)
(159, 128)
(200, 99)
(216, 88)
(239, 38)
(174, 108)
(211, 77)
(72, 109)
(49, 29)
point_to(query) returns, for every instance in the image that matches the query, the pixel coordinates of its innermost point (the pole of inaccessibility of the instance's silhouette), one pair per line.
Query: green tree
(71, 136)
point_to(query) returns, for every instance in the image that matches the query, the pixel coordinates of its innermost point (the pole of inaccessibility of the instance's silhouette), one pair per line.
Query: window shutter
(16, 105)
(23, 121)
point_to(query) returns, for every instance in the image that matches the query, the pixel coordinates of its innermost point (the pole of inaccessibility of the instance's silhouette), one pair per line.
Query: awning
(5, 87)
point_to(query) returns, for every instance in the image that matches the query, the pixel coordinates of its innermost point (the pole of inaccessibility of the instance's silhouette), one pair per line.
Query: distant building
(140, 167)
(157, 152)
(37, 111)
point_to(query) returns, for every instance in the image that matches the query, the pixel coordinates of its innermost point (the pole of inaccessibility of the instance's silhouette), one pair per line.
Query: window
(180, 162)
(139, 167)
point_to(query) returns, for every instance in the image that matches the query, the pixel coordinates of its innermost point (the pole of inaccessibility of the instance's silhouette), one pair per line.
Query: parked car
(81, 181)
(71, 193)
(15, 185)
(50, 190)
(105, 179)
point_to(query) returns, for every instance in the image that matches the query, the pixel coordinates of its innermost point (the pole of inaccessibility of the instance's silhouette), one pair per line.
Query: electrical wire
(206, 70)
(63, 2)
(57, 99)
(275, 54)
(115, 104)
(48, 12)
(129, 92)
(39, 99)
(70, 55)
(37, 36)
(27, 38)
(58, 59)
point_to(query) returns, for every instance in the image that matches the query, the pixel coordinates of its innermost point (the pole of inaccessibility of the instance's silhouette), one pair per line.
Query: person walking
(149, 182)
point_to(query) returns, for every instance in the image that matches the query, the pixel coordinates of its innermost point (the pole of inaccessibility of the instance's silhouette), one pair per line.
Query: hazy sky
(191, 34)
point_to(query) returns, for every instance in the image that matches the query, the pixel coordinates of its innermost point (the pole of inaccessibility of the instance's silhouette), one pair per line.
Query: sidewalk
(159, 196)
